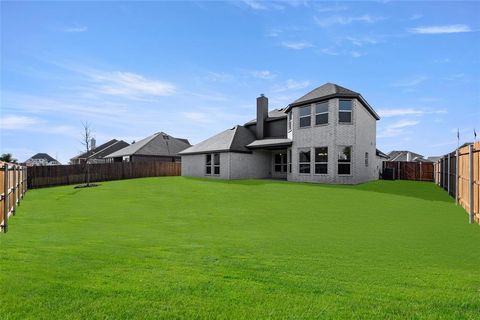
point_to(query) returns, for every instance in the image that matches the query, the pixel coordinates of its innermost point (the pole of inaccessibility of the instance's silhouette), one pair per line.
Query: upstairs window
(345, 160)
(321, 160)
(305, 116)
(321, 113)
(290, 120)
(304, 161)
(345, 111)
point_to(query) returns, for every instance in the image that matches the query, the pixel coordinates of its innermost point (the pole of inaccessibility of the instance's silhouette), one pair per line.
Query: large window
(321, 113)
(345, 160)
(304, 161)
(290, 120)
(280, 164)
(212, 163)
(305, 116)
(216, 163)
(208, 164)
(345, 111)
(321, 160)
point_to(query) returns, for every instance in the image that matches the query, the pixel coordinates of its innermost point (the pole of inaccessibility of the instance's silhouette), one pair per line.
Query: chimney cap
(262, 95)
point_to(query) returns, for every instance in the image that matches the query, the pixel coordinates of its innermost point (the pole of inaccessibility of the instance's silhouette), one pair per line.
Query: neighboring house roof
(158, 144)
(328, 91)
(403, 156)
(434, 158)
(273, 115)
(269, 143)
(381, 154)
(230, 140)
(45, 156)
(93, 153)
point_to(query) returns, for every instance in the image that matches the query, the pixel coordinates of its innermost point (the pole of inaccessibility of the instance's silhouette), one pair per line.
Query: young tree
(86, 142)
(7, 157)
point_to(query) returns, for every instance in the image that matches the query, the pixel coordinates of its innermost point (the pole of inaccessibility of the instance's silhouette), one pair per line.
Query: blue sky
(192, 69)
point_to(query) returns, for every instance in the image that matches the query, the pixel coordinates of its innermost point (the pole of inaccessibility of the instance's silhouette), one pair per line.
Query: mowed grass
(200, 249)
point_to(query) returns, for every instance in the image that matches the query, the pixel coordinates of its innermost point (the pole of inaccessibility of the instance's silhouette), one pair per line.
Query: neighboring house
(434, 158)
(157, 147)
(406, 156)
(327, 135)
(41, 159)
(97, 154)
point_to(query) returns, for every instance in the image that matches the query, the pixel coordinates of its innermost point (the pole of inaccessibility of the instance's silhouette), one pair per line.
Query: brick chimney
(262, 113)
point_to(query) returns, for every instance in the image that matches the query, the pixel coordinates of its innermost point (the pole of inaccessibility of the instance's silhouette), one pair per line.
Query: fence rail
(46, 176)
(409, 170)
(459, 174)
(13, 185)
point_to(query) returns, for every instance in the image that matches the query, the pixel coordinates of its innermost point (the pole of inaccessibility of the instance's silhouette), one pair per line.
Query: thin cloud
(344, 20)
(255, 5)
(291, 84)
(445, 29)
(263, 74)
(75, 29)
(322, 8)
(385, 113)
(299, 45)
(397, 128)
(411, 82)
(361, 41)
(416, 16)
(356, 54)
(14, 122)
(219, 76)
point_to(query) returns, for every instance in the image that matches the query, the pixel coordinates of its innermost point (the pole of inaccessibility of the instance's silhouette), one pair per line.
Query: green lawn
(191, 248)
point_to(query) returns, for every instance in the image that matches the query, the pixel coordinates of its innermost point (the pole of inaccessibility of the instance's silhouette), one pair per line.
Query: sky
(193, 69)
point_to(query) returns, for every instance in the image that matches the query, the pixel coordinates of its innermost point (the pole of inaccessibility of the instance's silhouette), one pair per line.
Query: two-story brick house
(326, 136)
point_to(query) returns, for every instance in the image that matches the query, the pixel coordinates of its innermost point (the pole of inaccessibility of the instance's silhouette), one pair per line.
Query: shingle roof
(272, 115)
(328, 91)
(271, 142)
(43, 156)
(158, 144)
(230, 140)
(95, 150)
(402, 156)
(381, 154)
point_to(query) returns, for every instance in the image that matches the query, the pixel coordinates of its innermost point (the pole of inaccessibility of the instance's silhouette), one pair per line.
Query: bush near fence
(13, 185)
(46, 176)
(459, 174)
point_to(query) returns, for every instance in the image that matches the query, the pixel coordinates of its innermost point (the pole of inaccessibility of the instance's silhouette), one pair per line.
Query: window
(304, 161)
(289, 160)
(366, 159)
(290, 120)
(345, 160)
(208, 164)
(216, 163)
(321, 113)
(345, 111)
(321, 160)
(212, 163)
(305, 115)
(280, 164)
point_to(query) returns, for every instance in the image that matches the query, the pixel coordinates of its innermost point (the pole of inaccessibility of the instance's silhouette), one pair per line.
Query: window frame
(289, 161)
(300, 163)
(342, 162)
(315, 162)
(324, 112)
(309, 116)
(208, 164)
(290, 121)
(282, 164)
(366, 160)
(215, 165)
(344, 111)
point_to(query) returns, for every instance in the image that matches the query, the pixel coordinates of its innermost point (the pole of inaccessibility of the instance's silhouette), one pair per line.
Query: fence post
(5, 198)
(470, 182)
(456, 176)
(448, 174)
(14, 188)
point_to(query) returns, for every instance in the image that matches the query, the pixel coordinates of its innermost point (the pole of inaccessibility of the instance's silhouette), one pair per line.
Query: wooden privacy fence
(13, 185)
(409, 170)
(459, 174)
(46, 176)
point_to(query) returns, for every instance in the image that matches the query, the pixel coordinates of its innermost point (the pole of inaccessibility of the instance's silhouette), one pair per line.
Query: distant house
(380, 158)
(434, 158)
(157, 147)
(41, 159)
(406, 156)
(97, 154)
